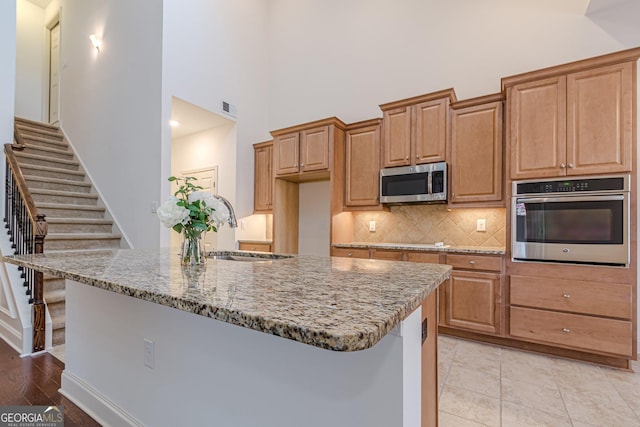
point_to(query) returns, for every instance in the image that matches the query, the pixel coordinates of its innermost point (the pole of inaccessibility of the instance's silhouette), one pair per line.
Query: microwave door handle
(603, 198)
(430, 183)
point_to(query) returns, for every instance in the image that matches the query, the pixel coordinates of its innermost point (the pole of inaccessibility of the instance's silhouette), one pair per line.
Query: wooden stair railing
(27, 230)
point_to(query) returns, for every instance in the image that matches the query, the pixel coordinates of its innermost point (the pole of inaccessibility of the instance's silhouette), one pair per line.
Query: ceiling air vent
(229, 109)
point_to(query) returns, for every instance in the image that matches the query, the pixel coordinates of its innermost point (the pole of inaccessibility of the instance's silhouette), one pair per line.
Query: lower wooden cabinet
(472, 301)
(575, 314)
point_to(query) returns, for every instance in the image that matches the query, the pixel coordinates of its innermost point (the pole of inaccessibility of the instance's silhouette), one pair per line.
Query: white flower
(203, 196)
(221, 214)
(171, 214)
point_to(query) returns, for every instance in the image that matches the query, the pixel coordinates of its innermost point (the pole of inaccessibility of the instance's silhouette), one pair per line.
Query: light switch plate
(372, 226)
(481, 224)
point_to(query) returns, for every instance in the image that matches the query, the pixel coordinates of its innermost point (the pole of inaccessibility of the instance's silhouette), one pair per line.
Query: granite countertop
(339, 304)
(483, 250)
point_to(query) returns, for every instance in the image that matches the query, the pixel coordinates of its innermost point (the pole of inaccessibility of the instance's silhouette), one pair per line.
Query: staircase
(61, 191)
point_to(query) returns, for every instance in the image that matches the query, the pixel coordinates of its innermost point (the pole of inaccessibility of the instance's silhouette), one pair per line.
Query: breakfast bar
(249, 339)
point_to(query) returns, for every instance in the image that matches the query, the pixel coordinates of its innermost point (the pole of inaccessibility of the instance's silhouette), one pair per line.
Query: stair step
(49, 152)
(49, 172)
(34, 159)
(42, 141)
(58, 336)
(79, 225)
(28, 122)
(53, 296)
(33, 130)
(53, 283)
(37, 182)
(70, 211)
(55, 241)
(63, 197)
(58, 323)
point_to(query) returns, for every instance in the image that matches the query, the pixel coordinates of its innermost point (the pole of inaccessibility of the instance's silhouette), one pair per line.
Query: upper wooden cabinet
(362, 163)
(305, 148)
(571, 123)
(476, 151)
(263, 177)
(414, 129)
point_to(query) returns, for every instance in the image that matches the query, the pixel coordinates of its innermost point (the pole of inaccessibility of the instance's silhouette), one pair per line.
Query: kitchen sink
(245, 256)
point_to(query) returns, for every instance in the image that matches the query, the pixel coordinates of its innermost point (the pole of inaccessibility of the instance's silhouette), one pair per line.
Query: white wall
(30, 65)
(7, 78)
(110, 104)
(345, 58)
(315, 216)
(216, 50)
(213, 147)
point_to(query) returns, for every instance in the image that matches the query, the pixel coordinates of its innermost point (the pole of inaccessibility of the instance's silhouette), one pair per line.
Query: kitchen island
(142, 348)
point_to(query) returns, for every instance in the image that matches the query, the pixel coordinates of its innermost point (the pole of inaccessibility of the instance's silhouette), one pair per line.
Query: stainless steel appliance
(577, 220)
(420, 183)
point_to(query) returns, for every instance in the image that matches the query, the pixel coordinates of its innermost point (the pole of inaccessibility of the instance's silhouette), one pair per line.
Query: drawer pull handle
(472, 262)
(566, 330)
(350, 254)
(567, 296)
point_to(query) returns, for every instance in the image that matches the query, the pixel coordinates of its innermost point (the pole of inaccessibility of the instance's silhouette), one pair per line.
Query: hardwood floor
(35, 381)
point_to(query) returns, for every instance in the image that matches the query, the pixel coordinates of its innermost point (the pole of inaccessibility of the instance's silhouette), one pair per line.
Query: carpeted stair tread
(69, 206)
(28, 122)
(63, 193)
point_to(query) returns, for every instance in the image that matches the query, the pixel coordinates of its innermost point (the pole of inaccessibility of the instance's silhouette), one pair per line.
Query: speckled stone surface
(339, 304)
(425, 248)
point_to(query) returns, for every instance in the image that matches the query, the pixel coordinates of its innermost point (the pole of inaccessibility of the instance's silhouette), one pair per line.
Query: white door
(54, 73)
(208, 180)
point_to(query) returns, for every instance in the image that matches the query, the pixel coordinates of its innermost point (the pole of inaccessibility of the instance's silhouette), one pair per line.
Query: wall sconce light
(96, 41)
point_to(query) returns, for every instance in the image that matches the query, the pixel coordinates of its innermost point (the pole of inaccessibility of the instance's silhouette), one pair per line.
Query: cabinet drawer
(572, 330)
(423, 257)
(387, 254)
(474, 262)
(350, 252)
(577, 296)
(260, 247)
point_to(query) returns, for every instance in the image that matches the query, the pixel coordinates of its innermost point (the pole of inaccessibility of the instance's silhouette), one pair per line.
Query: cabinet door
(472, 301)
(476, 154)
(600, 120)
(263, 179)
(397, 137)
(287, 154)
(538, 128)
(314, 149)
(363, 167)
(430, 131)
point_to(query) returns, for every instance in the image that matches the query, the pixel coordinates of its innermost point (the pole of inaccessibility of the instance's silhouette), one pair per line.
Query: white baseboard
(11, 336)
(94, 403)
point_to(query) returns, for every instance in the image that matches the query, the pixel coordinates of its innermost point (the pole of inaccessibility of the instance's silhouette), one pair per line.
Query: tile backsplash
(432, 223)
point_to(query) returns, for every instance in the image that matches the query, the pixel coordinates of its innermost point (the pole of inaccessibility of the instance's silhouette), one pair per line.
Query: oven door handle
(603, 198)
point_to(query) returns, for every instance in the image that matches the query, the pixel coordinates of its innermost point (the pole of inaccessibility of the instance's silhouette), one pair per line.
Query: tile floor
(485, 385)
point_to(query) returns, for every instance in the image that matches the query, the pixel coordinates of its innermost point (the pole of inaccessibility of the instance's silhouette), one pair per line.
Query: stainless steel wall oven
(577, 220)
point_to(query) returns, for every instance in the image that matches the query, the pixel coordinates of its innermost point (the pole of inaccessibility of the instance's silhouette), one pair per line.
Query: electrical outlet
(243, 224)
(149, 353)
(481, 224)
(154, 206)
(372, 226)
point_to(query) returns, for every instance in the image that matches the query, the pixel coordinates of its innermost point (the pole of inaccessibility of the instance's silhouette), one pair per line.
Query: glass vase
(193, 251)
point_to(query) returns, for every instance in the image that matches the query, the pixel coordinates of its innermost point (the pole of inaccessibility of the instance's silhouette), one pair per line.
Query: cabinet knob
(349, 254)
(566, 330)
(417, 156)
(563, 166)
(571, 165)
(301, 164)
(406, 158)
(567, 296)
(472, 262)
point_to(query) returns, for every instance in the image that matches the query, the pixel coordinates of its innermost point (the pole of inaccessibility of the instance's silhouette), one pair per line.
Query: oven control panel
(618, 183)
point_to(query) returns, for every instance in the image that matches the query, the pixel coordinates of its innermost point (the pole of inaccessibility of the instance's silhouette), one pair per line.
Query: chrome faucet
(233, 223)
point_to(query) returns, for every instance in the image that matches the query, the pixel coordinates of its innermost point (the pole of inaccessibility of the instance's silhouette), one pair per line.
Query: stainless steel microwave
(412, 184)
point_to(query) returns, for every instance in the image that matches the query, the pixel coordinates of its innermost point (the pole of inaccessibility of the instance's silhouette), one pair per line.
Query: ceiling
(193, 119)
(42, 3)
